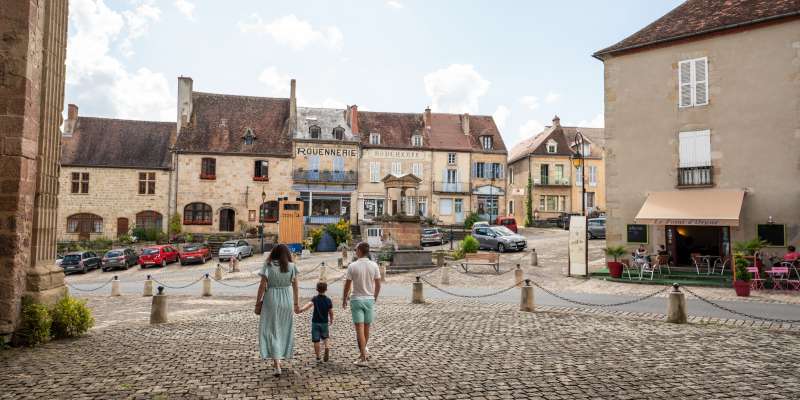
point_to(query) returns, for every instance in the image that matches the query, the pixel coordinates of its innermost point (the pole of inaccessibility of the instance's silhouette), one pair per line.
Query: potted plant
(615, 267)
(742, 282)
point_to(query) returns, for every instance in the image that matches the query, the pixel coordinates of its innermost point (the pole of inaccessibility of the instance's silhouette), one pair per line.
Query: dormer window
(416, 140)
(486, 141)
(249, 137)
(338, 133)
(552, 146)
(314, 131)
(374, 138)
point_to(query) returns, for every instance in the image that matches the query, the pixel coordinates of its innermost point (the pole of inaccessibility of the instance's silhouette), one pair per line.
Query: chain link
(309, 271)
(587, 304)
(742, 314)
(328, 282)
(93, 289)
(470, 296)
(176, 287)
(472, 275)
(235, 286)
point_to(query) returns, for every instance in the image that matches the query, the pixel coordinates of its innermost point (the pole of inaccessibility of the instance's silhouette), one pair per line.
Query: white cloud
(530, 128)
(500, 116)
(293, 32)
(552, 97)
(277, 82)
(138, 23)
(455, 89)
(531, 102)
(394, 4)
(186, 8)
(143, 95)
(597, 122)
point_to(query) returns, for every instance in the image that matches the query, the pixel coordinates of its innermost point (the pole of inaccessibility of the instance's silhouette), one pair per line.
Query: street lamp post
(579, 159)
(261, 217)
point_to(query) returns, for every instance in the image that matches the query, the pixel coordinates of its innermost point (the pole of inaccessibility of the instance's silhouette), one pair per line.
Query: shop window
(261, 170)
(80, 182)
(147, 182)
(269, 212)
(208, 168)
(197, 214)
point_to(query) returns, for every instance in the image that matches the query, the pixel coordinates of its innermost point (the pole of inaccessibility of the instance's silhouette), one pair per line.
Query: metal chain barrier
(90, 290)
(472, 275)
(739, 313)
(235, 286)
(587, 304)
(432, 271)
(177, 287)
(309, 271)
(471, 296)
(329, 283)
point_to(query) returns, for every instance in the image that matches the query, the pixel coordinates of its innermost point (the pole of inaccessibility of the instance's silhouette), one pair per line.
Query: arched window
(197, 214)
(338, 133)
(149, 220)
(84, 223)
(269, 212)
(314, 131)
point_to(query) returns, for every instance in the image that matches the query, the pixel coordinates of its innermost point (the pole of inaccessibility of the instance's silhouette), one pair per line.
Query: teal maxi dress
(276, 328)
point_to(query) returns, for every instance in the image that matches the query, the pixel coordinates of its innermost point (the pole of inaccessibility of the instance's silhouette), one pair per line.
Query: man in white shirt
(364, 278)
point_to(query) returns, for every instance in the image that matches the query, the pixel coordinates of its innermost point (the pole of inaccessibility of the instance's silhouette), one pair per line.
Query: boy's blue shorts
(319, 331)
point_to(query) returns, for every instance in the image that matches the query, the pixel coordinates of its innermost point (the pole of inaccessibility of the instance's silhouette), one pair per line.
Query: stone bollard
(148, 287)
(534, 258)
(416, 292)
(218, 272)
(526, 302)
(339, 263)
(676, 306)
(115, 287)
(158, 309)
(206, 286)
(382, 268)
(439, 259)
(234, 264)
(323, 273)
(344, 253)
(445, 275)
(518, 275)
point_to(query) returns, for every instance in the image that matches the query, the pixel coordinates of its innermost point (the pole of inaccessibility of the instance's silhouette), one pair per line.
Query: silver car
(596, 228)
(235, 248)
(498, 238)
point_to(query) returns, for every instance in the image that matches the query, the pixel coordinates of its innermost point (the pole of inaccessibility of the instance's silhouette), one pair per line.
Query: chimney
(185, 84)
(72, 119)
(556, 121)
(427, 118)
(465, 123)
(354, 119)
(292, 106)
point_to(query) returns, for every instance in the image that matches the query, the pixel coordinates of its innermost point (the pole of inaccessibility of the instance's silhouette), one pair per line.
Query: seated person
(641, 254)
(792, 254)
(662, 251)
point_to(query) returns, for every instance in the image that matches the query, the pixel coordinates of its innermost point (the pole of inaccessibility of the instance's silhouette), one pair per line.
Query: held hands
(297, 309)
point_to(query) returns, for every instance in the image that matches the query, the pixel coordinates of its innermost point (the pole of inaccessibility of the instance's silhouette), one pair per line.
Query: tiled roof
(564, 137)
(325, 118)
(483, 125)
(106, 142)
(696, 17)
(395, 129)
(219, 123)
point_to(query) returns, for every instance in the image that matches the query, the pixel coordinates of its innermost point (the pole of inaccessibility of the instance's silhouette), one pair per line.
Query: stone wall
(32, 55)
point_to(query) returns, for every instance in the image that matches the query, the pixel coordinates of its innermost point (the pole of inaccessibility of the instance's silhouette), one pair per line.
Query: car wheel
(239, 256)
(163, 263)
(501, 248)
(85, 269)
(104, 269)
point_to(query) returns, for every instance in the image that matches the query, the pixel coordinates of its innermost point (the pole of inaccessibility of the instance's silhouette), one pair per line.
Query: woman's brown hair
(282, 255)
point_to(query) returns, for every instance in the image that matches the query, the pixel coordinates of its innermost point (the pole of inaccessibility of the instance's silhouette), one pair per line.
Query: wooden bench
(490, 259)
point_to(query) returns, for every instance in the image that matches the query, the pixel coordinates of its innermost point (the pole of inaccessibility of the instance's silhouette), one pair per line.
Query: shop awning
(692, 207)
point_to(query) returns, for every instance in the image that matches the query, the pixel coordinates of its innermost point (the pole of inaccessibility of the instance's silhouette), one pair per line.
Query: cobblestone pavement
(444, 350)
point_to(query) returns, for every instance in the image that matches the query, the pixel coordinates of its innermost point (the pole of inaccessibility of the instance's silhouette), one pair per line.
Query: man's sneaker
(360, 363)
(326, 357)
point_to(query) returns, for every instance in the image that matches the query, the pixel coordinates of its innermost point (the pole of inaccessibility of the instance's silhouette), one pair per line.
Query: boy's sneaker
(326, 357)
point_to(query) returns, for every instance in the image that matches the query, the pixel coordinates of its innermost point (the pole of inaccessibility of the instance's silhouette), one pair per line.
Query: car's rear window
(113, 254)
(150, 251)
(71, 257)
(191, 247)
(229, 244)
(429, 231)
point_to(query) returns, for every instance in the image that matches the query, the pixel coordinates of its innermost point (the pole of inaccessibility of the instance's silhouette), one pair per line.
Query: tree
(529, 204)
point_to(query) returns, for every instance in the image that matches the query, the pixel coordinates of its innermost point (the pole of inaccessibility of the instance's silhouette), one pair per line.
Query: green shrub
(749, 247)
(175, 227)
(35, 325)
(340, 232)
(316, 236)
(148, 235)
(740, 268)
(71, 318)
(101, 242)
(469, 245)
(125, 239)
(615, 252)
(471, 219)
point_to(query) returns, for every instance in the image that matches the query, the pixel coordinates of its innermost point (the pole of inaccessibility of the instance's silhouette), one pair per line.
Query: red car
(509, 222)
(194, 252)
(158, 256)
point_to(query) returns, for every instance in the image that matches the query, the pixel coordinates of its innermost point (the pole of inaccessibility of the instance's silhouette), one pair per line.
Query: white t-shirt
(363, 273)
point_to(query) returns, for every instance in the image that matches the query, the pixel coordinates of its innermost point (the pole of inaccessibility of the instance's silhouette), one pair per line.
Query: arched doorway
(227, 220)
(122, 226)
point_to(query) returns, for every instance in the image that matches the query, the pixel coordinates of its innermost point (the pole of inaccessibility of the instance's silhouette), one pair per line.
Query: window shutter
(685, 83)
(700, 82)
(702, 149)
(475, 170)
(499, 171)
(685, 149)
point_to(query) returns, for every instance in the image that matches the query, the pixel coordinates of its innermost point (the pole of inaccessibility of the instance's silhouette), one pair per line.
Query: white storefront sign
(577, 246)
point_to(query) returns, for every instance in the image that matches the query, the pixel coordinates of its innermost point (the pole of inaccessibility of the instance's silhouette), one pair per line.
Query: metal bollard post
(115, 287)
(416, 292)
(323, 273)
(340, 264)
(526, 302)
(158, 308)
(148, 287)
(534, 258)
(382, 268)
(439, 259)
(518, 275)
(676, 306)
(206, 286)
(218, 272)
(445, 274)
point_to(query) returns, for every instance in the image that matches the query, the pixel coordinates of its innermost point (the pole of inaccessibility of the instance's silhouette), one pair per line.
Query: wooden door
(227, 220)
(290, 222)
(122, 226)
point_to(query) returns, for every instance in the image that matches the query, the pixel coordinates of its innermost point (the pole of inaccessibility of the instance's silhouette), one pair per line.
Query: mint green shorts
(363, 310)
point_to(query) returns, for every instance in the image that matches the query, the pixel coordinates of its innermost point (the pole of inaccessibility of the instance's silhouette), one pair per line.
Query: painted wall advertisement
(577, 246)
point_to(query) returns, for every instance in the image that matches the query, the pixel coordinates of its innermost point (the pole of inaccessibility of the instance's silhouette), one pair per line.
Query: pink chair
(756, 282)
(792, 268)
(780, 277)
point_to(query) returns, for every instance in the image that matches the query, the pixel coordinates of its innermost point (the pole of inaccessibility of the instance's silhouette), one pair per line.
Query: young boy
(321, 320)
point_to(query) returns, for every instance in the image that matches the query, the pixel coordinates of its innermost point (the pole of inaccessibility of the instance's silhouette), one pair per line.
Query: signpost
(577, 246)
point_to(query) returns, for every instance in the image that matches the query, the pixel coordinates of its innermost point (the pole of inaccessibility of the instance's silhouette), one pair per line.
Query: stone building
(32, 55)
(718, 160)
(115, 175)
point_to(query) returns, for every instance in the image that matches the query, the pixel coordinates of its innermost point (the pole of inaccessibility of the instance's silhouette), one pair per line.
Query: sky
(520, 61)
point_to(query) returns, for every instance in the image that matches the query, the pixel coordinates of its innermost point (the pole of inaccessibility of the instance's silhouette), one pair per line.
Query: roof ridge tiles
(241, 96)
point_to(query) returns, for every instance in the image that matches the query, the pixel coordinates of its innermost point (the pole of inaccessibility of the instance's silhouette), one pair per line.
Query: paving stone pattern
(443, 350)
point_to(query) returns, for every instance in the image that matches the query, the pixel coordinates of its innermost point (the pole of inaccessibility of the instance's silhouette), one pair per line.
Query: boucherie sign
(326, 152)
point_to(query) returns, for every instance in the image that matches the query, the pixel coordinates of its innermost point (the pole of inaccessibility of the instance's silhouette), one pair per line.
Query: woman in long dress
(276, 302)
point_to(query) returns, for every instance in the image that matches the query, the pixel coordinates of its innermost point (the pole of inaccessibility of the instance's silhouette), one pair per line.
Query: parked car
(498, 238)
(158, 256)
(480, 223)
(59, 258)
(596, 228)
(194, 252)
(563, 220)
(433, 236)
(235, 248)
(508, 221)
(80, 261)
(119, 258)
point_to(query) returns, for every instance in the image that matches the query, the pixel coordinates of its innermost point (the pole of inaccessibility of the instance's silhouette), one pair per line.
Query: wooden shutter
(685, 84)
(700, 78)
(686, 149)
(702, 148)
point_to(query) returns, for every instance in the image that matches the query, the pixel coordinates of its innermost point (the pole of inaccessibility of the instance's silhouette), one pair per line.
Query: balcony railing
(451, 187)
(695, 176)
(548, 181)
(316, 176)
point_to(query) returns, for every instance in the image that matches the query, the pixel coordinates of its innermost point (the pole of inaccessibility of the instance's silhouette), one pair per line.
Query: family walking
(278, 299)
